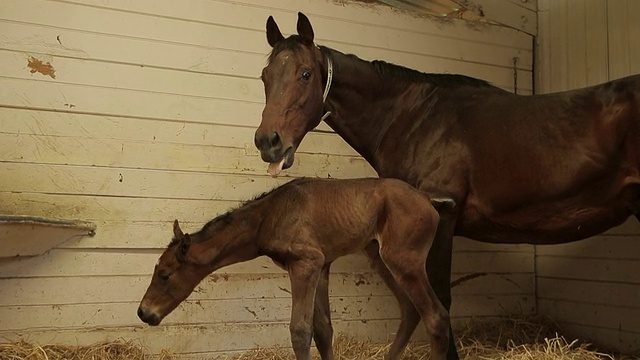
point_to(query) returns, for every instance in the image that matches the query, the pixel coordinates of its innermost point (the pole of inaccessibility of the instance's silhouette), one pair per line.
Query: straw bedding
(513, 338)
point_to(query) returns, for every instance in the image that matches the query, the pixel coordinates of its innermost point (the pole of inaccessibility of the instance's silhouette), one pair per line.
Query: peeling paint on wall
(39, 66)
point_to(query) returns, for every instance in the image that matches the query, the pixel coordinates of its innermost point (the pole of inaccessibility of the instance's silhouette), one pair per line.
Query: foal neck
(228, 239)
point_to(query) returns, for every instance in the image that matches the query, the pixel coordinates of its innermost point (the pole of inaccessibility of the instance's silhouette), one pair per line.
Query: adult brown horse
(542, 169)
(304, 226)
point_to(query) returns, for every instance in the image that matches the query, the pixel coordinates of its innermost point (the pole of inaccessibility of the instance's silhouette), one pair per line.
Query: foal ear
(183, 248)
(177, 232)
(185, 243)
(273, 32)
(304, 29)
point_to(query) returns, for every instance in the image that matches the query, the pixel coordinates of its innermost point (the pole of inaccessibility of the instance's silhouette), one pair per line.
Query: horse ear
(177, 232)
(185, 243)
(304, 29)
(273, 32)
(183, 248)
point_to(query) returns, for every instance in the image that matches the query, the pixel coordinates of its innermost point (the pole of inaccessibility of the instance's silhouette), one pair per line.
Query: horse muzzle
(148, 317)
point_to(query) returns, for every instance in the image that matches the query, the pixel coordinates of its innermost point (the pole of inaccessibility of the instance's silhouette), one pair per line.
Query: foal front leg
(322, 329)
(304, 275)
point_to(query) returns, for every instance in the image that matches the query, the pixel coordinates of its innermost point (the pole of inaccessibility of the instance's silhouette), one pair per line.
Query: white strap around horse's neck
(327, 87)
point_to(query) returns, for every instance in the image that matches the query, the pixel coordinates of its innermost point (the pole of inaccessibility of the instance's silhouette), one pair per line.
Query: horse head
(293, 83)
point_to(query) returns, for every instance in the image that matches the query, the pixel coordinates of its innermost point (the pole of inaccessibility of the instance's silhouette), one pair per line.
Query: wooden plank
(625, 342)
(60, 179)
(558, 59)
(622, 271)
(465, 244)
(215, 35)
(606, 294)
(619, 38)
(595, 38)
(126, 76)
(80, 44)
(119, 289)
(623, 319)
(490, 305)
(252, 15)
(542, 46)
(155, 155)
(142, 261)
(602, 247)
(576, 44)
(494, 262)
(129, 25)
(73, 98)
(508, 13)
(633, 28)
(138, 214)
(97, 127)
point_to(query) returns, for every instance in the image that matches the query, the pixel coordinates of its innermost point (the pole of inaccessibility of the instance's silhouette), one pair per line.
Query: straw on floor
(509, 338)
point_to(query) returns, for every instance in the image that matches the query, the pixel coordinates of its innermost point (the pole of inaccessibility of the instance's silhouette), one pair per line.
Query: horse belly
(544, 223)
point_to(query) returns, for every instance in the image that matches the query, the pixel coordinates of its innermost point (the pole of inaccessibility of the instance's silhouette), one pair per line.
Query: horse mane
(389, 70)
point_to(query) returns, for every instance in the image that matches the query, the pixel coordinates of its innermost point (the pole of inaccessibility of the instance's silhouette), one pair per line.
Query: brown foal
(303, 226)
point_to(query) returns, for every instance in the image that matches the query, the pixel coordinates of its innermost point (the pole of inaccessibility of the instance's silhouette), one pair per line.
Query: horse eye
(164, 277)
(306, 75)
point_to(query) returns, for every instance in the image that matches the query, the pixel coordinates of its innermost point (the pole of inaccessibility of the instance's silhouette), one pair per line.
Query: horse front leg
(304, 275)
(439, 267)
(322, 329)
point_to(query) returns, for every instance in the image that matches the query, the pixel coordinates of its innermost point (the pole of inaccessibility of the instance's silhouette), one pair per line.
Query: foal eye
(305, 75)
(164, 277)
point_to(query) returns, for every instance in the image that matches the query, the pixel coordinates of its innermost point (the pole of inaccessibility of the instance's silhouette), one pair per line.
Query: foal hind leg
(409, 315)
(405, 259)
(322, 329)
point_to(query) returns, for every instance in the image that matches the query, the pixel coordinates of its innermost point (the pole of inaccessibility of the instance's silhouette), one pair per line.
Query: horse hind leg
(322, 329)
(409, 315)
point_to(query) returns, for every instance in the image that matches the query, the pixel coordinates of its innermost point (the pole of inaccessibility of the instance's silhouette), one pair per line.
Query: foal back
(342, 217)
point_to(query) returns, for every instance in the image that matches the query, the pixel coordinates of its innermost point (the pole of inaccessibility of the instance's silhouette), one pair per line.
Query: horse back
(562, 165)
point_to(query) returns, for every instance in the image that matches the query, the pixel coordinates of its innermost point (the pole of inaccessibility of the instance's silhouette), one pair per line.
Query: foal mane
(227, 217)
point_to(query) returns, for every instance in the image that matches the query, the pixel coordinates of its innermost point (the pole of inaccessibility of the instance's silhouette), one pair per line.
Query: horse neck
(363, 103)
(229, 243)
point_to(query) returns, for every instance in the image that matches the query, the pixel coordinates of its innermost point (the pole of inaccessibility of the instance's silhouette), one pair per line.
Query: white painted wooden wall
(591, 286)
(150, 116)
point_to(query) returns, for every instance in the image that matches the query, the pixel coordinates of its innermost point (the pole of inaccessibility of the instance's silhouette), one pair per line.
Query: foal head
(294, 94)
(175, 276)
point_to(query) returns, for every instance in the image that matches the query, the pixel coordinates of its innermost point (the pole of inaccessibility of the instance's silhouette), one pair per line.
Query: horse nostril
(274, 140)
(141, 314)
